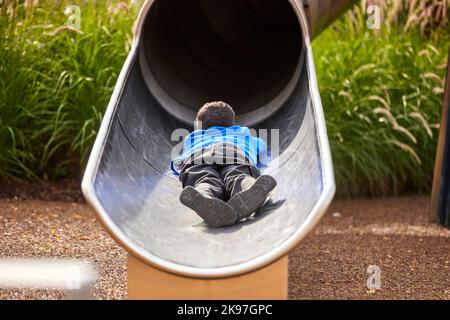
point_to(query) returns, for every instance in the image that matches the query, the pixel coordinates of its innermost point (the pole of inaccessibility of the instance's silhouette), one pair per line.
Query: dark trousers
(219, 181)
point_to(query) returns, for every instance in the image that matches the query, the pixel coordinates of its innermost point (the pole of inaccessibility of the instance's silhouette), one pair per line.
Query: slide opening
(244, 52)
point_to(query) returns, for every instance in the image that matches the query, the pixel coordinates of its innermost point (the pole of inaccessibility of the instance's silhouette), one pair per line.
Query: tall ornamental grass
(56, 80)
(382, 91)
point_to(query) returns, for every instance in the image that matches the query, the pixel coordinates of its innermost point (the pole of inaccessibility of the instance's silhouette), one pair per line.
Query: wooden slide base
(146, 282)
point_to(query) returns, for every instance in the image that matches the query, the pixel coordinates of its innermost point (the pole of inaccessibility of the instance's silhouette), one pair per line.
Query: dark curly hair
(216, 113)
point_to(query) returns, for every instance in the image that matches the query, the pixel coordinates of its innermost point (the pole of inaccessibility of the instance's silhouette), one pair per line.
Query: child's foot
(248, 201)
(214, 211)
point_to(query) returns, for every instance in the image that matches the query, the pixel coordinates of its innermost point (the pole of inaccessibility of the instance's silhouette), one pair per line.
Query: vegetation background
(382, 90)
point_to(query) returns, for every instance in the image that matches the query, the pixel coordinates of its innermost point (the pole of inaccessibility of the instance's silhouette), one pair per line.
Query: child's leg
(203, 192)
(246, 189)
(238, 177)
(204, 178)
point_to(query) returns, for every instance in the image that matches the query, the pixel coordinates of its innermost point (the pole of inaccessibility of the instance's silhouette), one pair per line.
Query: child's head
(216, 113)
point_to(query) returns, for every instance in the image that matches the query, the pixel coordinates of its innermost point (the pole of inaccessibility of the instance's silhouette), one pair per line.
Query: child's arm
(263, 153)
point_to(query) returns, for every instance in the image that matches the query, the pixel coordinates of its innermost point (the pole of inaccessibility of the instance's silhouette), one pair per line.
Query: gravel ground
(393, 234)
(34, 228)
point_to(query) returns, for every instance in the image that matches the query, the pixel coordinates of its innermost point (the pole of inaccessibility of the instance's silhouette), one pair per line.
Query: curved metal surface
(321, 13)
(195, 51)
(129, 184)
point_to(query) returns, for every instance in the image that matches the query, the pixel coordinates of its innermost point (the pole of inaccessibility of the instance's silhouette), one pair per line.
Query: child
(218, 168)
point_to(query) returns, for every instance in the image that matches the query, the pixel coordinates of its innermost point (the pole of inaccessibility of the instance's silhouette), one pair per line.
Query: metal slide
(257, 56)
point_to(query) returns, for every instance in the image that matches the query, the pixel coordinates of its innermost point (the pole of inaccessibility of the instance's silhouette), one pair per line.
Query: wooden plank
(147, 282)
(438, 199)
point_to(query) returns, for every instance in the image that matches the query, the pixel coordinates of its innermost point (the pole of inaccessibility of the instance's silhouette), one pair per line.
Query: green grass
(55, 82)
(381, 92)
(382, 95)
